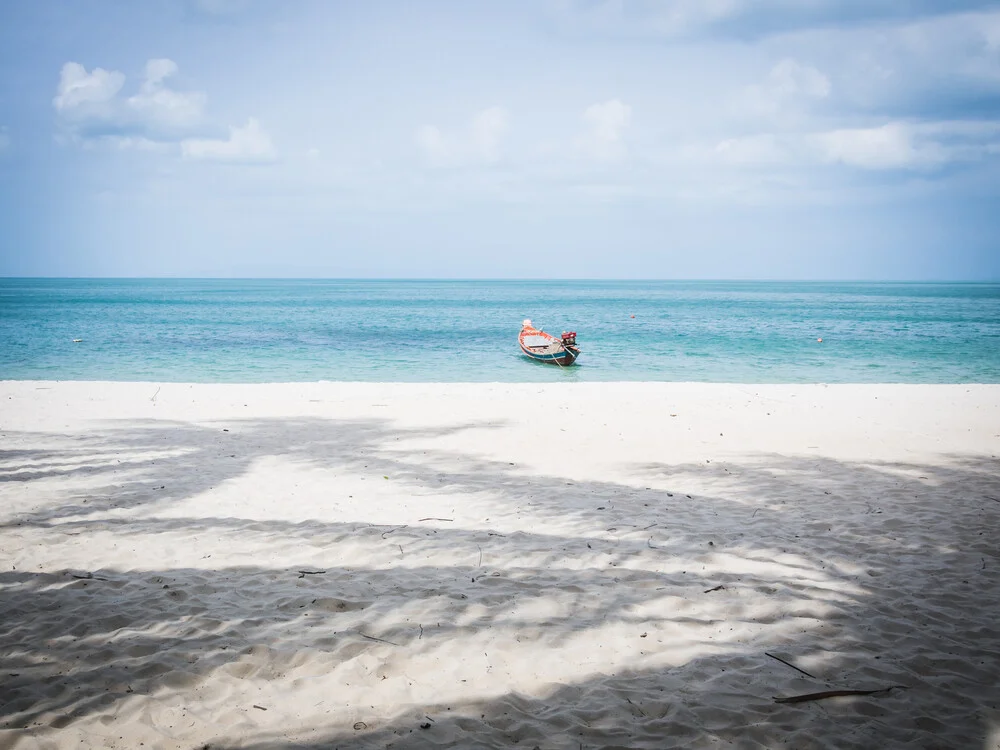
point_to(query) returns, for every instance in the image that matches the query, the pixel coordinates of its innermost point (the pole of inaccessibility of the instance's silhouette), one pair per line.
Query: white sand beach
(631, 565)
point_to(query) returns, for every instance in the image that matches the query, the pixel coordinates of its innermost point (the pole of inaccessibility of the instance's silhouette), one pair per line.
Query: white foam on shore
(478, 565)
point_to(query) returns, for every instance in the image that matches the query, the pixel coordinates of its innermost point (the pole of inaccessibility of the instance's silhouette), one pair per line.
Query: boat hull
(565, 357)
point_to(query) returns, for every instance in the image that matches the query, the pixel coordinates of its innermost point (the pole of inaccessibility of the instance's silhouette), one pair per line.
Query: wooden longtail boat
(544, 347)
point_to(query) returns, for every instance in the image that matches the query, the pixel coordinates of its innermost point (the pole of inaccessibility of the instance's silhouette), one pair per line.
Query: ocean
(194, 330)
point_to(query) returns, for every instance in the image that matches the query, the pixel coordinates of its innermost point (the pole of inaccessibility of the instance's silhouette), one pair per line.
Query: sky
(658, 139)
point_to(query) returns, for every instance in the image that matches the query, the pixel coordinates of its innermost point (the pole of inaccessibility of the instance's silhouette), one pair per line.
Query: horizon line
(4, 277)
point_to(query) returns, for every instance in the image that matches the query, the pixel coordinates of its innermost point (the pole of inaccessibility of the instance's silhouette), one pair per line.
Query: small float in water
(545, 347)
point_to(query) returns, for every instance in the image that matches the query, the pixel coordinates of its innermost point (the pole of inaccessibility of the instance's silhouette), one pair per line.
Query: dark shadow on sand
(124, 634)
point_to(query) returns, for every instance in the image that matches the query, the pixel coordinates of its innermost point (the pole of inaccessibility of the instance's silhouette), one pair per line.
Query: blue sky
(799, 139)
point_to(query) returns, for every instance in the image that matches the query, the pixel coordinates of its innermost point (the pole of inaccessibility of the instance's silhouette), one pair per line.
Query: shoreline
(307, 564)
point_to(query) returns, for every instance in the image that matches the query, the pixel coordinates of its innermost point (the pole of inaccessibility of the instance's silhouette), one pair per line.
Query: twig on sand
(397, 528)
(788, 664)
(87, 577)
(714, 588)
(627, 700)
(996, 500)
(434, 519)
(835, 694)
(155, 394)
(260, 707)
(480, 557)
(304, 573)
(379, 640)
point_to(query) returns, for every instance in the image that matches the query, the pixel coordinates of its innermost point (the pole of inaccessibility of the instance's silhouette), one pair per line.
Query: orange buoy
(632, 316)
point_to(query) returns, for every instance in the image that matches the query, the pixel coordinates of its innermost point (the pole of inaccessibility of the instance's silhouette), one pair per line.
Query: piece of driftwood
(834, 694)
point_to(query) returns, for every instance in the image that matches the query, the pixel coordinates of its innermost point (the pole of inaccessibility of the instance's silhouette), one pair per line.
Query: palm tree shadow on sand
(688, 595)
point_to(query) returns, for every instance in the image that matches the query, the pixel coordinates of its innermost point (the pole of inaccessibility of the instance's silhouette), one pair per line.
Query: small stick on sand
(834, 694)
(434, 519)
(87, 577)
(379, 640)
(787, 664)
(627, 700)
(715, 588)
(304, 573)
(480, 557)
(260, 707)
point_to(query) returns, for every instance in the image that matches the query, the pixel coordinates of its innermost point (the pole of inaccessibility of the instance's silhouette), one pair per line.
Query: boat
(544, 347)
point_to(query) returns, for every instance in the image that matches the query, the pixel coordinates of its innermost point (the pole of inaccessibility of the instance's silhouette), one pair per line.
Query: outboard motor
(569, 338)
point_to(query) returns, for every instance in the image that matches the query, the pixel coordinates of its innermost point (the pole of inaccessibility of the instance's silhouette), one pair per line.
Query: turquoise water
(262, 331)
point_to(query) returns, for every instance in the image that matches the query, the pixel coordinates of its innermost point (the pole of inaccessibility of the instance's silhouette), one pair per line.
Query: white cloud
(744, 19)
(790, 78)
(432, 141)
(249, 144)
(78, 88)
(945, 65)
(488, 128)
(480, 143)
(891, 146)
(662, 18)
(93, 113)
(683, 16)
(895, 145)
(606, 125)
(162, 108)
(89, 106)
(789, 87)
